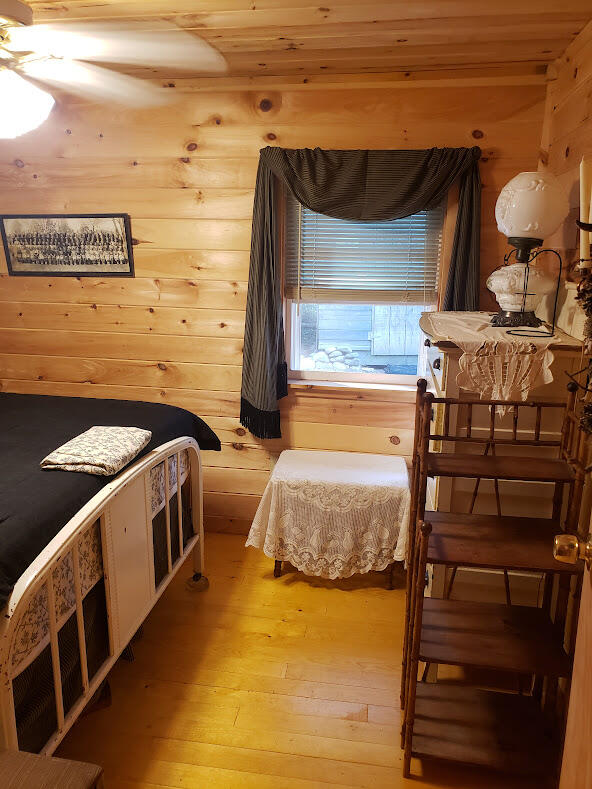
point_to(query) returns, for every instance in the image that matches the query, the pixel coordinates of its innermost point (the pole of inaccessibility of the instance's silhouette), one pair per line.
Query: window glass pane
(357, 338)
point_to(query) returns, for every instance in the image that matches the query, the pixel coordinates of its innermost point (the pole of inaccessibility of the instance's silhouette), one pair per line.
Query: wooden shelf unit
(492, 728)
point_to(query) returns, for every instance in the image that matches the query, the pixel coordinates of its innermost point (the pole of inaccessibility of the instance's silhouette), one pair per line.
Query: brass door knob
(567, 548)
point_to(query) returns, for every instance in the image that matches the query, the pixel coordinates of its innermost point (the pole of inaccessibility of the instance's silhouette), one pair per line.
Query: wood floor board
(258, 647)
(346, 730)
(320, 640)
(282, 607)
(182, 726)
(122, 783)
(290, 683)
(181, 776)
(161, 696)
(317, 672)
(383, 714)
(248, 760)
(281, 686)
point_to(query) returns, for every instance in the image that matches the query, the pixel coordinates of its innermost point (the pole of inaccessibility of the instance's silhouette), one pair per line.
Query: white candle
(585, 211)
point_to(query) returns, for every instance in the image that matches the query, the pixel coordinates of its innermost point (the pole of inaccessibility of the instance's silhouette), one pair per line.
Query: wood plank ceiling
(292, 37)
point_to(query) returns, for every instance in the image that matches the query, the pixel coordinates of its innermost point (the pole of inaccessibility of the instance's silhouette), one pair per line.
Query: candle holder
(585, 263)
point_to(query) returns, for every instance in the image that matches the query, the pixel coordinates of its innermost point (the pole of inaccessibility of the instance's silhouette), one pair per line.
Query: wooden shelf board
(520, 639)
(500, 731)
(487, 467)
(494, 542)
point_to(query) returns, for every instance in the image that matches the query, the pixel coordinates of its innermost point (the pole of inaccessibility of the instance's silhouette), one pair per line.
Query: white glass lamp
(529, 208)
(24, 106)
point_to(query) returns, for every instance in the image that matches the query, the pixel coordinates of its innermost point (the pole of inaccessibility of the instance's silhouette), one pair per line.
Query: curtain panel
(354, 185)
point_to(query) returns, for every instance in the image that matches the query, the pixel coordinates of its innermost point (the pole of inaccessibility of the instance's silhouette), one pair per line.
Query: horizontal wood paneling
(203, 401)
(173, 334)
(567, 133)
(156, 347)
(137, 291)
(31, 169)
(169, 321)
(149, 203)
(232, 480)
(120, 372)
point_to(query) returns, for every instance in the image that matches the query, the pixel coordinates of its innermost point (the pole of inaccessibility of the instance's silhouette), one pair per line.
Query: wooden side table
(334, 514)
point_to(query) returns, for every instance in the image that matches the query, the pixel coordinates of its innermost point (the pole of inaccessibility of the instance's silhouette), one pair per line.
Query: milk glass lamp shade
(24, 106)
(531, 205)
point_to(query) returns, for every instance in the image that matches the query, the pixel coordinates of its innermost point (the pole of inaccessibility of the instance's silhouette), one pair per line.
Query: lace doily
(494, 364)
(333, 514)
(504, 370)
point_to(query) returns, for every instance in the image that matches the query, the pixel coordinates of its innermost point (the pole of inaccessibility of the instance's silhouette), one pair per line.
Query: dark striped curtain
(358, 185)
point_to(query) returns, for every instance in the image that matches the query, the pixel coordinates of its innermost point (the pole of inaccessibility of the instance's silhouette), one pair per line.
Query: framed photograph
(68, 245)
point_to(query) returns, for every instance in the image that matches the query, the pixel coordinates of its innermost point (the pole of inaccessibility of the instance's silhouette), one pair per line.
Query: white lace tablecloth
(334, 514)
(494, 364)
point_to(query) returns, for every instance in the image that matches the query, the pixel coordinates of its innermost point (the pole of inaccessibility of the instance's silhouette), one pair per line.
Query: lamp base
(509, 318)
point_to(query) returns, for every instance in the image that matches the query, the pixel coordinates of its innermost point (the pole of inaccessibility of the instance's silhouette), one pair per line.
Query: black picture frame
(71, 269)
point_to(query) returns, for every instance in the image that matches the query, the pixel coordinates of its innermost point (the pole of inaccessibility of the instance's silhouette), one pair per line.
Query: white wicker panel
(32, 629)
(90, 557)
(63, 584)
(157, 480)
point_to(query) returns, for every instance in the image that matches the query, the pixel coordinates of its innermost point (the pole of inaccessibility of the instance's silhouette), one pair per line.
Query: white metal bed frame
(124, 509)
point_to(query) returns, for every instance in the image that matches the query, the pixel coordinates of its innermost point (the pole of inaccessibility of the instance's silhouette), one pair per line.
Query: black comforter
(35, 504)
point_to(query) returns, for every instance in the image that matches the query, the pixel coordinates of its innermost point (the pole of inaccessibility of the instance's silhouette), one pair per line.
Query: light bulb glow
(24, 106)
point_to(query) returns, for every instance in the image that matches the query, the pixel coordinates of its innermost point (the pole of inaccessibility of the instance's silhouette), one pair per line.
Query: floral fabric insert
(101, 450)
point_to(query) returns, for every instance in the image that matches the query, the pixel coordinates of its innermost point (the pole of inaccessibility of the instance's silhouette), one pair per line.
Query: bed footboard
(77, 606)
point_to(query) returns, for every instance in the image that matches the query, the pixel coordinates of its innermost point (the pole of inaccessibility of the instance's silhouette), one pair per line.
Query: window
(355, 291)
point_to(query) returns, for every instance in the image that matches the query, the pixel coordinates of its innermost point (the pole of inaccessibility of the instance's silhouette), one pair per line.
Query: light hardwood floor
(261, 682)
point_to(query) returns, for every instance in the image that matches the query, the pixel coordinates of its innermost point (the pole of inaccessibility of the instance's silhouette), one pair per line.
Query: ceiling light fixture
(24, 106)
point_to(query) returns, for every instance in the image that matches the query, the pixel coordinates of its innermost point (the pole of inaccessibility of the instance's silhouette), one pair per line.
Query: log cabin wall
(567, 136)
(185, 173)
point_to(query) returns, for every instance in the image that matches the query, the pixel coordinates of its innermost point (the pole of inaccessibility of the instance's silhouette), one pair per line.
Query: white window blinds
(338, 261)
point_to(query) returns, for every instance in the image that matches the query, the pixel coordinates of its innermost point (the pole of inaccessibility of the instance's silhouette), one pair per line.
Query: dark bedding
(35, 504)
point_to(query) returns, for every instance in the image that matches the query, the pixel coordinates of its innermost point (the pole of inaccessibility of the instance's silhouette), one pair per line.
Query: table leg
(396, 575)
(277, 570)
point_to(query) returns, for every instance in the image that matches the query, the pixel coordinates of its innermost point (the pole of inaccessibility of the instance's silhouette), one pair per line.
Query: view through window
(357, 290)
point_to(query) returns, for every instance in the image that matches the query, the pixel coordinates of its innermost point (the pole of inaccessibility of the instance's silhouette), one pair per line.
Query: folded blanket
(100, 450)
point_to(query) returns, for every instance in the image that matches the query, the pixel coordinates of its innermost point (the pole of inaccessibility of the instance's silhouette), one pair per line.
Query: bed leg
(198, 582)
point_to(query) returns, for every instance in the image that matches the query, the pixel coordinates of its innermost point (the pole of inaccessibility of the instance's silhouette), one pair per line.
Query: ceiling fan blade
(95, 82)
(141, 43)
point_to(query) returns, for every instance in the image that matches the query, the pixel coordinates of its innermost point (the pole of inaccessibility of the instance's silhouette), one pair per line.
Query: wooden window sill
(353, 389)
